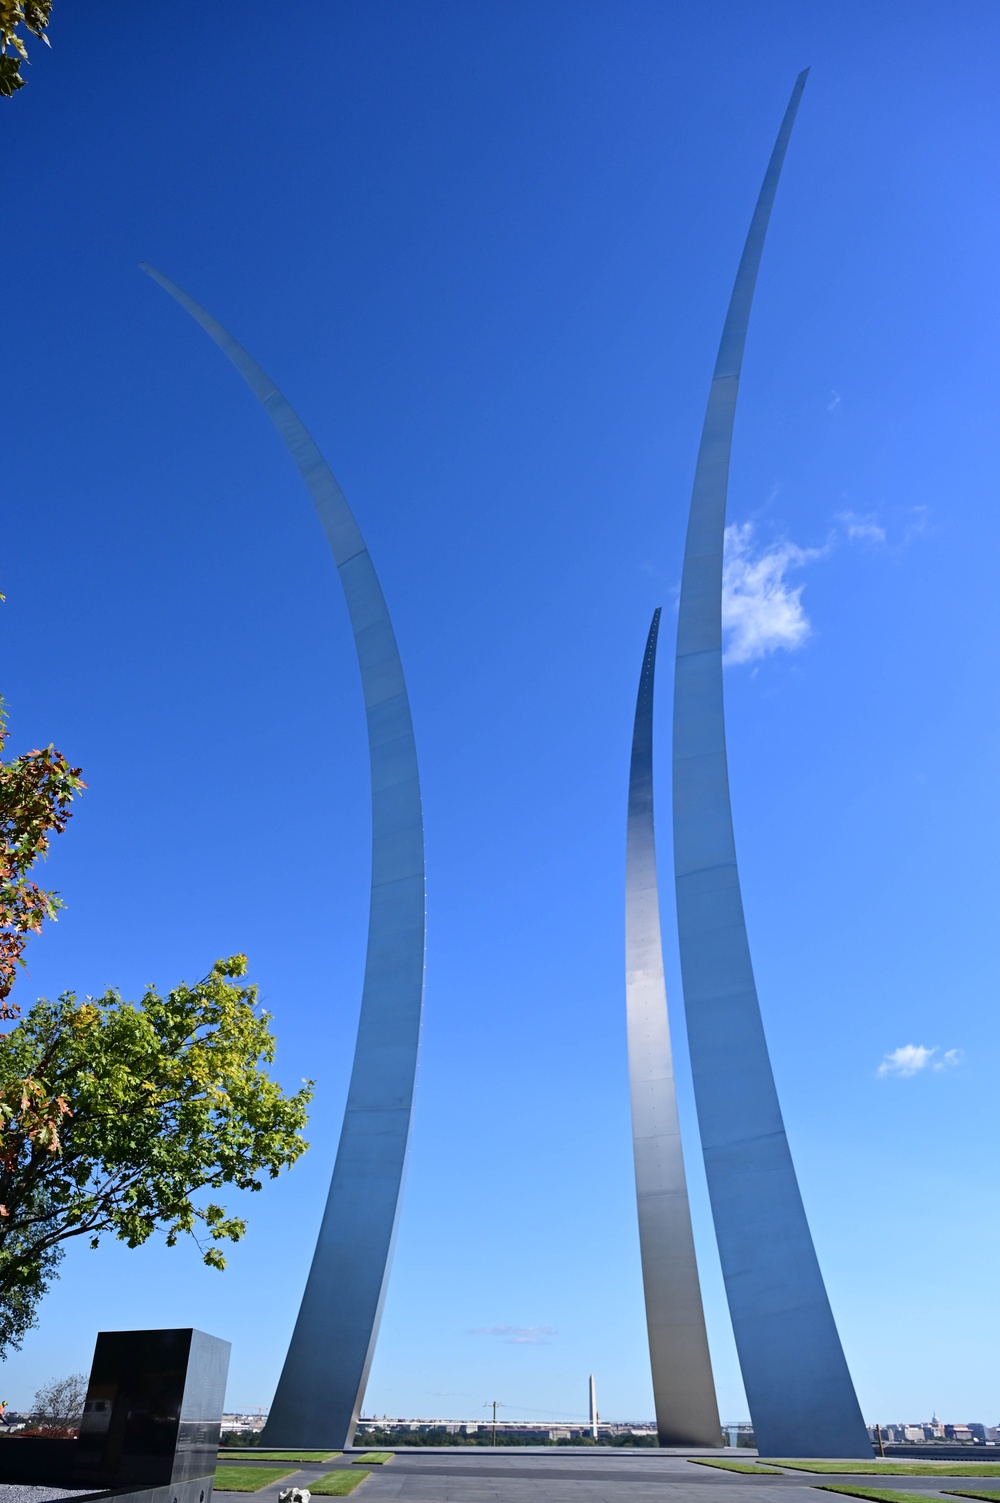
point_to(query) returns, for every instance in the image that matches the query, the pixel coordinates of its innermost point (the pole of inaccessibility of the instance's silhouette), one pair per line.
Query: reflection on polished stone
(153, 1412)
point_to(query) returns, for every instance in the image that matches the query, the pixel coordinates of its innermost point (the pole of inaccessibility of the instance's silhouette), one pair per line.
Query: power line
(496, 1405)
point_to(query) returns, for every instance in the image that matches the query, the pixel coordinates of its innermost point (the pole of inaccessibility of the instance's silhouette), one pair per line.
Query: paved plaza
(526, 1475)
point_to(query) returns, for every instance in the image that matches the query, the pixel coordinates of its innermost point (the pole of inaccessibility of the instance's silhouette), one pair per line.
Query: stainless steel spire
(683, 1389)
(798, 1386)
(323, 1380)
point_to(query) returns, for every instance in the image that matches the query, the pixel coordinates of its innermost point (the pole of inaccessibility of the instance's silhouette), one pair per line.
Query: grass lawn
(750, 1467)
(876, 1494)
(895, 1468)
(339, 1484)
(252, 1455)
(247, 1479)
(374, 1458)
(989, 1497)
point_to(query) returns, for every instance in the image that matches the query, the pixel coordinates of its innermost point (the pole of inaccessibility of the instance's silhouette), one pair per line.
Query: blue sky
(486, 251)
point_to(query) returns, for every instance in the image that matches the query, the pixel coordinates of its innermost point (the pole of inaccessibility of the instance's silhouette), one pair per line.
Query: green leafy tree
(120, 1117)
(17, 16)
(36, 791)
(30, 1274)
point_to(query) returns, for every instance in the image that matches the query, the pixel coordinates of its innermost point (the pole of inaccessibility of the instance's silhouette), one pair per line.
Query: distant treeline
(375, 1439)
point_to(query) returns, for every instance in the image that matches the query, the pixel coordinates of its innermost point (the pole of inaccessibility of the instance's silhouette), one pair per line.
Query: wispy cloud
(834, 401)
(517, 1335)
(761, 609)
(917, 523)
(862, 529)
(911, 1059)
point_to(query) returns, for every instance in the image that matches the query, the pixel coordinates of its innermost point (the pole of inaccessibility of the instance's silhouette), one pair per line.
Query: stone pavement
(585, 1475)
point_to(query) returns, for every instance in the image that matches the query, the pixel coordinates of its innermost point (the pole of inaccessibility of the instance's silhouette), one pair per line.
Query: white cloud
(861, 529)
(517, 1335)
(761, 610)
(834, 401)
(910, 1059)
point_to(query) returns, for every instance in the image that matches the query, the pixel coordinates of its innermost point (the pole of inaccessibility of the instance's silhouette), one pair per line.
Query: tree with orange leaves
(119, 1117)
(36, 791)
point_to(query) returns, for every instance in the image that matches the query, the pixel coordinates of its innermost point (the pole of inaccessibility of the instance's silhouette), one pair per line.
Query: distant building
(933, 1431)
(244, 1424)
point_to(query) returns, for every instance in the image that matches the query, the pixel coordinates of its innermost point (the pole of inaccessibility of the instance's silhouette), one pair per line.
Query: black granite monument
(150, 1427)
(154, 1408)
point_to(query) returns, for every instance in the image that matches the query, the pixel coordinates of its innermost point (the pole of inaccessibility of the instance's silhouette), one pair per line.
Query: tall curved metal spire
(683, 1388)
(323, 1380)
(798, 1386)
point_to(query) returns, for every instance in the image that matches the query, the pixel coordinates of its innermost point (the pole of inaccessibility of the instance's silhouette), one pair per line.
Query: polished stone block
(153, 1412)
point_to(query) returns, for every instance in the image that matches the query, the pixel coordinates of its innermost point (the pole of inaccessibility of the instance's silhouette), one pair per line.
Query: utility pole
(878, 1437)
(496, 1405)
(593, 1407)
